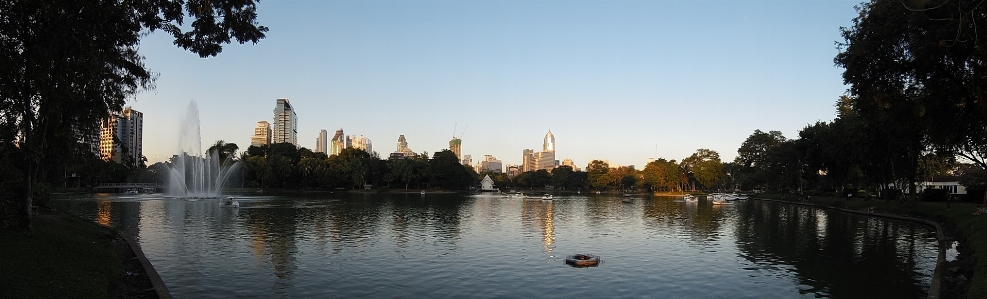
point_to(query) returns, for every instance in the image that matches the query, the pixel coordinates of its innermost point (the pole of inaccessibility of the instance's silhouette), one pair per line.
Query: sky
(621, 81)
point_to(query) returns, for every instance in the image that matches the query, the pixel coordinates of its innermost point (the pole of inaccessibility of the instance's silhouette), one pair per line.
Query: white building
(321, 141)
(262, 134)
(121, 137)
(285, 123)
(361, 142)
(949, 183)
(487, 184)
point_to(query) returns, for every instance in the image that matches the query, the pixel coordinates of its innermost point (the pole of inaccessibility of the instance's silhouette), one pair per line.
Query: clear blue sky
(621, 81)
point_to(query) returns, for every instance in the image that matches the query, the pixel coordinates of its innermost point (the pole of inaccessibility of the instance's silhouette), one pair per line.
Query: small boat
(131, 192)
(423, 192)
(546, 197)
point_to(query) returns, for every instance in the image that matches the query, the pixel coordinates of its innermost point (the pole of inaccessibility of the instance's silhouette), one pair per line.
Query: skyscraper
(361, 142)
(285, 123)
(320, 142)
(403, 147)
(456, 146)
(262, 134)
(121, 137)
(338, 143)
(549, 145)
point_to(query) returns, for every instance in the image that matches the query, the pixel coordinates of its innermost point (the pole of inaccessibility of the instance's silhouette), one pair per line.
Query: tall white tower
(549, 145)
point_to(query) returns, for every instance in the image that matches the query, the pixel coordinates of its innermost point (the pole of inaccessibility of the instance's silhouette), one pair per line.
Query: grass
(958, 217)
(63, 257)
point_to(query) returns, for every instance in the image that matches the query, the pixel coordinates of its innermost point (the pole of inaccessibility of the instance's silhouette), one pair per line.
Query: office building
(285, 123)
(467, 160)
(121, 137)
(338, 143)
(262, 134)
(321, 141)
(362, 143)
(491, 164)
(403, 147)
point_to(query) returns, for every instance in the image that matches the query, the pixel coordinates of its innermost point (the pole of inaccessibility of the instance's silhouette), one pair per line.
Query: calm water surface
(452, 246)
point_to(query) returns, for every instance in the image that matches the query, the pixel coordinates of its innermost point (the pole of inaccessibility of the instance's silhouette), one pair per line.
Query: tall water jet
(193, 174)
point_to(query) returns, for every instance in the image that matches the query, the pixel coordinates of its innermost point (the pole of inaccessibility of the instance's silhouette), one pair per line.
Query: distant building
(403, 147)
(549, 145)
(321, 141)
(456, 146)
(338, 143)
(568, 162)
(491, 164)
(121, 137)
(262, 134)
(285, 123)
(528, 161)
(467, 160)
(513, 170)
(545, 159)
(362, 143)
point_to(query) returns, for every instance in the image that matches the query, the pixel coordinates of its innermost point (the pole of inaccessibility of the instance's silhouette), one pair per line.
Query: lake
(361, 245)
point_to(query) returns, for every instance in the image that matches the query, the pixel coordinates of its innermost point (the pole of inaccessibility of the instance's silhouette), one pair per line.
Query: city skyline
(617, 81)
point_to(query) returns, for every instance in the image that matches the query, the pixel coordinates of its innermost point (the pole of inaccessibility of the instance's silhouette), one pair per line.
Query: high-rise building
(544, 159)
(456, 146)
(361, 142)
(549, 144)
(527, 160)
(403, 147)
(285, 123)
(121, 137)
(491, 164)
(321, 141)
(262, 134)
(338, 143)
(467, 160)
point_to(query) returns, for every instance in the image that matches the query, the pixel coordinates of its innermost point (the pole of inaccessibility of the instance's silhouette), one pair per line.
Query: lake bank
(964, 277)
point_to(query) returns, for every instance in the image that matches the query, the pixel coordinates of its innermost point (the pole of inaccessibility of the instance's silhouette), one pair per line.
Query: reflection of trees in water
(701, 222)
(832, 253)
(273, 235)
(434, 215)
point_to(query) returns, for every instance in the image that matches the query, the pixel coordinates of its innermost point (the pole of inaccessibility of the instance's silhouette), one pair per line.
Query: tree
(916, 72)
(662, 176)
(562, 177)
(596, 170)
(705, 166)
(753, 153)
(64, 65)
(448, 172)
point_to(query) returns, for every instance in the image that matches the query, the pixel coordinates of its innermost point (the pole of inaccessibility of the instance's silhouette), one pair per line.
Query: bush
(935, 195)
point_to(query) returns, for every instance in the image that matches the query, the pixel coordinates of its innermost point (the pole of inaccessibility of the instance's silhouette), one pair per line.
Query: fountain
(192, 174)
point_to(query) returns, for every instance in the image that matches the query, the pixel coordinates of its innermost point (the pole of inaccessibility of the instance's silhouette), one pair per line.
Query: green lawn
(63, 257)
(959, 215)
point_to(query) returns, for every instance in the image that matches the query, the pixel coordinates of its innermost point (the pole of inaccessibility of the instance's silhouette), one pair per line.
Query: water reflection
(400, 245)
(836, 254)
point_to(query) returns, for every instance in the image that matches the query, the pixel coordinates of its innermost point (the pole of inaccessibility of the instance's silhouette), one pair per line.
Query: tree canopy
(64, 65)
